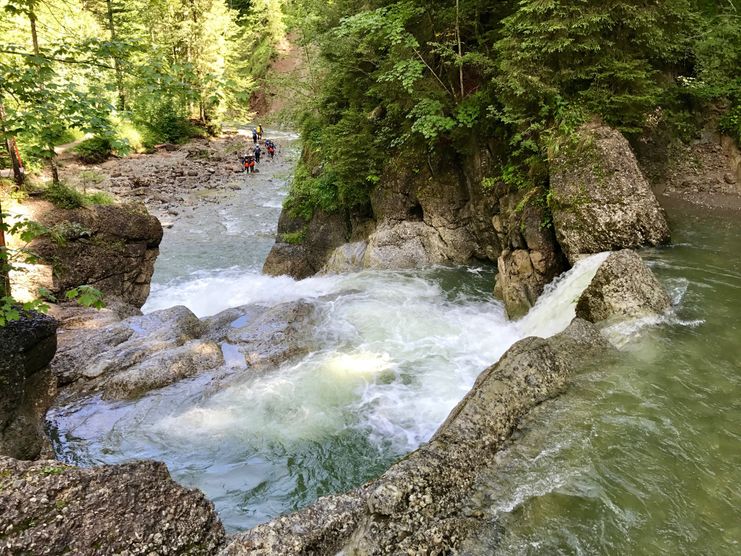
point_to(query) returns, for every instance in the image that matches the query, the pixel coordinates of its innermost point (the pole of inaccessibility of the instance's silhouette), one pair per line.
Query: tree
(603, 55)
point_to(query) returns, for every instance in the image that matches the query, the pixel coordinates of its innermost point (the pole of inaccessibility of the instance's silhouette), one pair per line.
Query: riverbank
(176, 179)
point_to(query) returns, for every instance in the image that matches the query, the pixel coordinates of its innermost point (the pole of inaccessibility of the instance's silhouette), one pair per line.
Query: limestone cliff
(452, 211)
(422, 214)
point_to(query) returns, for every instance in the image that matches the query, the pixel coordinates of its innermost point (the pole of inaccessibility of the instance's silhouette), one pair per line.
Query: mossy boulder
(600, 200)
(134, 508)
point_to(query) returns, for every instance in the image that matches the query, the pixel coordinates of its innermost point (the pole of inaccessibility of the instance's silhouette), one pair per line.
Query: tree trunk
(12, 148)
(460, 48)
(121, 105)
(34, 36)
(54, 167)
(4, 277)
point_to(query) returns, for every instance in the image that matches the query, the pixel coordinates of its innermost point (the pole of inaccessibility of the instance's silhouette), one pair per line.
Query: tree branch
(55, 59)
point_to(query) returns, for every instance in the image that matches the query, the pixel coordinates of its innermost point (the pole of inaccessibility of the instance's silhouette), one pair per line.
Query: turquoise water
(642, 456)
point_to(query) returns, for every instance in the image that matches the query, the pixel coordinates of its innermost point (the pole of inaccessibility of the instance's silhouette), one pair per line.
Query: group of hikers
(251, 158)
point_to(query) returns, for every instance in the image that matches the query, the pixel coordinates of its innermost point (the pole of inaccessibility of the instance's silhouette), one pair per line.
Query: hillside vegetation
(131, 73)
(429, 81)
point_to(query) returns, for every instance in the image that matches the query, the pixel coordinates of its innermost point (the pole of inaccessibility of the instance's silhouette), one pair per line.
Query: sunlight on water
(396, 352)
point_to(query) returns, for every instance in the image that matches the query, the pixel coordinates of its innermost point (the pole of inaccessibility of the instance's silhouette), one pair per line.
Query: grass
(293, 238)
(67, 197)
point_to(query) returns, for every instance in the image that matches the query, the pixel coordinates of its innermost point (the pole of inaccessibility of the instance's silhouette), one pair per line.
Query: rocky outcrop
(135, 508)
(704, 172)
(414, 219)
(26, 384)
(92, 357)
(416, 507)
(420, 216)
(531, 257)
(600, 199)
(302, 247)
(622, 287)
(112, 248)
(130, 357)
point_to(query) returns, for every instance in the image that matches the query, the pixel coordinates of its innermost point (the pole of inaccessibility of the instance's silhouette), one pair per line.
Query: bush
(162, 122)
(68, 197)
(95, 150)
(64, 196)
(130, 135)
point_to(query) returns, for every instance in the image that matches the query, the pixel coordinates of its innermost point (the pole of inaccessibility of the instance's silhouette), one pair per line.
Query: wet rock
(600, 199)
(164, 368)
(417, 506)
(88, 360)
(532, 257)
(280, 333)
(26, 384)
(134, 508)
(348, 257)
(314, 241)
(622, 287)
(289, 260)
(219, 325)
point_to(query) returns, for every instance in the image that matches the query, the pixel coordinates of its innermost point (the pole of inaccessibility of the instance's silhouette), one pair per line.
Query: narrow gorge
(298, 278)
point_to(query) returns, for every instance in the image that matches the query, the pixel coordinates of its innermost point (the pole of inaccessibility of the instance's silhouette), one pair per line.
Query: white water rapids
(397, 351)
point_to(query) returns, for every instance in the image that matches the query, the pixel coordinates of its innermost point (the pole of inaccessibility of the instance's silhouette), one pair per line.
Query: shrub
(64, 196)
(95, 150)
(163, 122)
(68, 197)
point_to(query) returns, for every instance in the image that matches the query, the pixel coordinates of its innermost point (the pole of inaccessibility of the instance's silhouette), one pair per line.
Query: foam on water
(396, 352)
(208, 292)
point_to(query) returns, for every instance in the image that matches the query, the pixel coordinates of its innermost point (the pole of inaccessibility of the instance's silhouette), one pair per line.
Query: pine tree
(603, 55)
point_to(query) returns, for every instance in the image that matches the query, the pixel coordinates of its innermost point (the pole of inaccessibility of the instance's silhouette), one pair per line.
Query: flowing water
(644, 450)
(642, 456)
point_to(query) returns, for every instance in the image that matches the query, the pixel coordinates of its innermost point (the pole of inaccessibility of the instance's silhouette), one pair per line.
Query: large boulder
(112, 248)
(418, 505)
(622, 287)
(135, 355)
(276, 335)
(600, 199)
(134, 508)
(128, 358)
(26, 384)
(93, 352)
(303, 246)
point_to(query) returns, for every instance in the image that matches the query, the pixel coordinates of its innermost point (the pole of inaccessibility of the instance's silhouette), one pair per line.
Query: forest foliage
(119, 75)
(433, 79)
(129, 73)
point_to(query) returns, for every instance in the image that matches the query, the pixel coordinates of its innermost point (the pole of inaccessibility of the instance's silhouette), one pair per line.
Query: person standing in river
(258, 152)
(259, 131)
(254, 136)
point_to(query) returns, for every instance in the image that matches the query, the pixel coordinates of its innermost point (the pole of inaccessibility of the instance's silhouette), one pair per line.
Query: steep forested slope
(429, 80)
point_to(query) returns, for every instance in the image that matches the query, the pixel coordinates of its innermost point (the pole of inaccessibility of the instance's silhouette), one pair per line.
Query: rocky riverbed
(175, 179)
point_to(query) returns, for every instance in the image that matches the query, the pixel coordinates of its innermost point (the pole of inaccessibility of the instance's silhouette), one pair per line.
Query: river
(642, 457)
